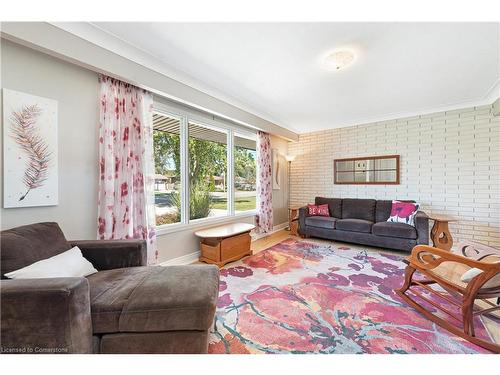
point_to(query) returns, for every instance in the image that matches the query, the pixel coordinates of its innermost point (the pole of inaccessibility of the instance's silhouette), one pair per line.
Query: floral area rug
(301, 297)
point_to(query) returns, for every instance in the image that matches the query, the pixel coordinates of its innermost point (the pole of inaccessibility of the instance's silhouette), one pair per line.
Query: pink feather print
(26, 135)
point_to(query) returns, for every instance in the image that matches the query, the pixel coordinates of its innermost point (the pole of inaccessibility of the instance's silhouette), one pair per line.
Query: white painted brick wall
(450, 163)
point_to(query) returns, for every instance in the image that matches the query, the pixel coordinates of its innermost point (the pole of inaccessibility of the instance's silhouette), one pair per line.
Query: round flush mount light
(339, 59)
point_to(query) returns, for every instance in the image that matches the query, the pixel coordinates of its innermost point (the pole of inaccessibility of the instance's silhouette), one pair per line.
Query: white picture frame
(30, 157)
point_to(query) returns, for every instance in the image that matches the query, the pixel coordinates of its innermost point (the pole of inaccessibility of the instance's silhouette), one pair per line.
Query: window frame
(186, 116)
(251, 136)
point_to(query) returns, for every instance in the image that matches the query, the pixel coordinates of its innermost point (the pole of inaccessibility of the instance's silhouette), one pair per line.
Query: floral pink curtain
(264, 184)
(126, 187)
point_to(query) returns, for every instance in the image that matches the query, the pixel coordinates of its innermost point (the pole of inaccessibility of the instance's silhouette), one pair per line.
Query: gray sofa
(126, 307)
(364, 221)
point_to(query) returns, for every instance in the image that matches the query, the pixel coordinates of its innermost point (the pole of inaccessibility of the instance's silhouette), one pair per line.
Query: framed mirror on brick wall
(371, 170)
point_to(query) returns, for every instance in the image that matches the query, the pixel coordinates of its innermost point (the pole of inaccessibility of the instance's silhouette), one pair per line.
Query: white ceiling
(274, 69)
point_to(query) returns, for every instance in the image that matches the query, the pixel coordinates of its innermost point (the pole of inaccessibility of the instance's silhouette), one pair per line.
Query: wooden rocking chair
(446, 269)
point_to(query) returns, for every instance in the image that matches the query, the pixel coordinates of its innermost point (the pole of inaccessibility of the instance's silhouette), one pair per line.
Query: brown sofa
(126, 307)
(364, 221)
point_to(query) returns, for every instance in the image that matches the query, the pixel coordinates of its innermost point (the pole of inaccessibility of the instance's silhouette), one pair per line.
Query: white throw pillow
(473, 272)
(71, 263)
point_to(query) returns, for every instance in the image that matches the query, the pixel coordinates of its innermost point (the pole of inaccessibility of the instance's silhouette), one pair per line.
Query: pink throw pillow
(321, 210)
(403, 212)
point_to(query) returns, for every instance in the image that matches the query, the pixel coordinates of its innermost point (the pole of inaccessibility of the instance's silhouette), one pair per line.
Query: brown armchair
(126, 307)
(445, 269)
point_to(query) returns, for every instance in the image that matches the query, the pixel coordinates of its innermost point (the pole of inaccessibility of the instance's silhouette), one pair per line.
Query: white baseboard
(276, 228)
(182, 260)
(193, 257)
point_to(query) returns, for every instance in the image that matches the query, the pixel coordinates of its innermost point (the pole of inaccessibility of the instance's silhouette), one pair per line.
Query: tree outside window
(207, 158)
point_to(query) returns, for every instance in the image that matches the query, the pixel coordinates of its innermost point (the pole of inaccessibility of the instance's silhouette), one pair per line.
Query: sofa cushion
(383, 210)
(354, 225)
(28, 244)
(321, 222)
(363, 209)
(400, 230)
(153, 299)
(334, 205)
(109, 291)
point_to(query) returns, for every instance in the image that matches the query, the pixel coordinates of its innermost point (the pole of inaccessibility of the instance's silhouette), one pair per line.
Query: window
(167, 157)
(207, 154)
(205, 168)
(245, 173)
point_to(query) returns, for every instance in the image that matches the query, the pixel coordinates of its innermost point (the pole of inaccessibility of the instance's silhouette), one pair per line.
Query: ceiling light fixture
(339, 59)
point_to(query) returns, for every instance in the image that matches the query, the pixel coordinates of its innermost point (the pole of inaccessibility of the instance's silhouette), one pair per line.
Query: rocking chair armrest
(418, 259)
(476, 251)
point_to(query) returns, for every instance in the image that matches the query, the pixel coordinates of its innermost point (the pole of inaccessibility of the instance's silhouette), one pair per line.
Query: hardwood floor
(275, 238)
(270, 240)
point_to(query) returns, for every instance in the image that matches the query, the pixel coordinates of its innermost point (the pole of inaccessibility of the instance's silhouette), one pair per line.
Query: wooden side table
(440, 232)
(225, 243)
(293, 220)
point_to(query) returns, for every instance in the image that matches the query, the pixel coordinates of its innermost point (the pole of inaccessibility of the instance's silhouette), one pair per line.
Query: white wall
(76, 90)
(450, 163)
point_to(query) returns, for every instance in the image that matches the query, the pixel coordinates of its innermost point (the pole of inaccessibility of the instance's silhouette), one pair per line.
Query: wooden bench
(225, 243)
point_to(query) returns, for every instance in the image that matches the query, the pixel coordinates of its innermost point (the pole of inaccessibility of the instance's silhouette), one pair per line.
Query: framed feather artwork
(30, 150)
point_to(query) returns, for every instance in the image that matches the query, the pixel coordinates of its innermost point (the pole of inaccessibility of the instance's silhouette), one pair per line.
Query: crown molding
(491, 95)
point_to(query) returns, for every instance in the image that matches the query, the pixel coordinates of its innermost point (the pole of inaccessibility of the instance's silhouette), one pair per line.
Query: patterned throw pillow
(403, 212)
(321, 210)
